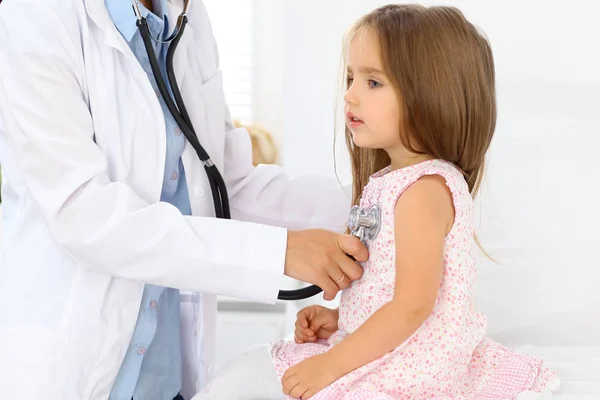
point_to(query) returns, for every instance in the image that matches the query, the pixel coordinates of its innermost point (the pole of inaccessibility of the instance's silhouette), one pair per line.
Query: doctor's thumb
(352, 246)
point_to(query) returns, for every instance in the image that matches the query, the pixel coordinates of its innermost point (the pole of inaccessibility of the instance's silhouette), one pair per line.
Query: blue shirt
(152, 368)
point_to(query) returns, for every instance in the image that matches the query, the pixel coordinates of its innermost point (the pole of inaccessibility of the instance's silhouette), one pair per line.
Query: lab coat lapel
(98, 13)
(142, 146)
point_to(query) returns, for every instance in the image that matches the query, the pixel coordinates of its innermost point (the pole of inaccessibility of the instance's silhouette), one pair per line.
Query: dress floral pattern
(448, 357)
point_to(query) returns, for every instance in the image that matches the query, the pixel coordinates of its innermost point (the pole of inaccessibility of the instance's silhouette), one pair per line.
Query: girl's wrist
(335, 363)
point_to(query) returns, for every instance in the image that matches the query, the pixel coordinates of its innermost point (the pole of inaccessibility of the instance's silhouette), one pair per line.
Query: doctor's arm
(105, 225)
(266, 194)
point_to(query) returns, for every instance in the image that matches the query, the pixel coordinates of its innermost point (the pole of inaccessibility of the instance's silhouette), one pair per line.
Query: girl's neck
(407, 160)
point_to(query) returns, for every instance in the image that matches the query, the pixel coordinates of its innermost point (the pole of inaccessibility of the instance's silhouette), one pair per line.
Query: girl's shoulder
(412, 173)
(388, 185)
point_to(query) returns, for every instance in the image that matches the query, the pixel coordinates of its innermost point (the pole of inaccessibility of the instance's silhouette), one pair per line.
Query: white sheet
(578, 369)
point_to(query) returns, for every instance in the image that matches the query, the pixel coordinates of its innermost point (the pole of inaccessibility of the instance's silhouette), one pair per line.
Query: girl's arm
(423, 215)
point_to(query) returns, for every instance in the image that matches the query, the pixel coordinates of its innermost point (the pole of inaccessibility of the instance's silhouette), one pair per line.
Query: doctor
(112, 255)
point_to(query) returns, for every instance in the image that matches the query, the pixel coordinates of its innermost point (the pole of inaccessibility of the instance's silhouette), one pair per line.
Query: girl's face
(371, 105)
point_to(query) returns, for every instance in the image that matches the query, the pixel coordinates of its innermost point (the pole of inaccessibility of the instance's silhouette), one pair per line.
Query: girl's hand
(315, 322)
(308, 377)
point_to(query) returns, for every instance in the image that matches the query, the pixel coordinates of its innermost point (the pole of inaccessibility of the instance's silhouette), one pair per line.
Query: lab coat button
(141, 350)
(153, 304)
(174, 175)
(177, 131)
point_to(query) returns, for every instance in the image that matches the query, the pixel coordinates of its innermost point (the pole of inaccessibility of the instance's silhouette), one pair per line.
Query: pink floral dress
(448, 357)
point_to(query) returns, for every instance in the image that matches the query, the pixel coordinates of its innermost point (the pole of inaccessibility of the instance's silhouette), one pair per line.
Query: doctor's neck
(147, 4)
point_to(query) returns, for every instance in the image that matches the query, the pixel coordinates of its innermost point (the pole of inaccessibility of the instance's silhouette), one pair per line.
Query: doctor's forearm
(110, 230)
(272, 198)
(267, 195)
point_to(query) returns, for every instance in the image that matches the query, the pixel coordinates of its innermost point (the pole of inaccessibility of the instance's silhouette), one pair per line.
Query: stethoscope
(363, 224)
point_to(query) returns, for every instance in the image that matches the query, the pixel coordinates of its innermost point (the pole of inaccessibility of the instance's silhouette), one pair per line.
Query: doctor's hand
(321, 257)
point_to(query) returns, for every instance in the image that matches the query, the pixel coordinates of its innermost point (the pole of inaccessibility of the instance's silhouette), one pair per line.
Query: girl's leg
(250, 376)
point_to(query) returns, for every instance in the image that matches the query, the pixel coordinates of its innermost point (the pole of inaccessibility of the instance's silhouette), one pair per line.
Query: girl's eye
(374, 84)
(349, 80)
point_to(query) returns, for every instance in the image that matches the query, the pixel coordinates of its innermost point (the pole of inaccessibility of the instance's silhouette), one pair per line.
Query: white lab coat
(84, 228)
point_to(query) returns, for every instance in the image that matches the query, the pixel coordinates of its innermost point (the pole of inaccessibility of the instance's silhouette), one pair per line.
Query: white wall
(538, 213)
(314, 31)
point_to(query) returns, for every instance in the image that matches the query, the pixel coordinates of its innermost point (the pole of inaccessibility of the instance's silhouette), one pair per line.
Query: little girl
(420, 116)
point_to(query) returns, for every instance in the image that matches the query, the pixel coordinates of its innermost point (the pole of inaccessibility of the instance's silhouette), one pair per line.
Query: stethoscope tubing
(181, 116)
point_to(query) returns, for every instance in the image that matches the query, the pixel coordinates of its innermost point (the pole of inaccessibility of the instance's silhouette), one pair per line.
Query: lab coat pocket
(28, 356)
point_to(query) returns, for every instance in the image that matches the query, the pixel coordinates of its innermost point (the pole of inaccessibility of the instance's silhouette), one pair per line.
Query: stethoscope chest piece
(365, 224)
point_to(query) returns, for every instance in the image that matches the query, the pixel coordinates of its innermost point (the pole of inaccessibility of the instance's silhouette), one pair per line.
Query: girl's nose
(350, 96)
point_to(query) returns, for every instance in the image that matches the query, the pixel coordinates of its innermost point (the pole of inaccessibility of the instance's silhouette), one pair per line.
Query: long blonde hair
(443, 70)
